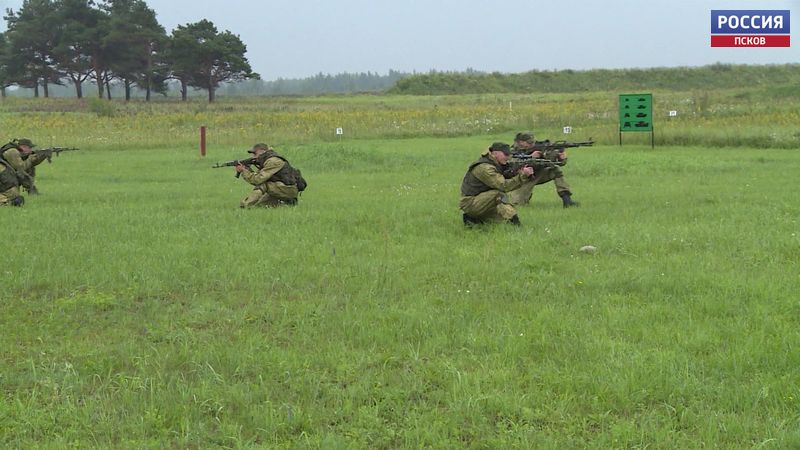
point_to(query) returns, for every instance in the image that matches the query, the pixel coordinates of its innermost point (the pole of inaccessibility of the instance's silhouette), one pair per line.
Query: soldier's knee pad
(17, 201)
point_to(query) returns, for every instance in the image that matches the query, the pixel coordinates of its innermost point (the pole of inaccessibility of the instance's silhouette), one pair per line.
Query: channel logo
(750, 28)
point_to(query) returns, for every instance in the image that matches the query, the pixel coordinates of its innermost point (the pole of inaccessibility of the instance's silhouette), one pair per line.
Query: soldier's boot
(566, 197)
(17, 201)
(515, 221)
(470, 221)
(33, 191)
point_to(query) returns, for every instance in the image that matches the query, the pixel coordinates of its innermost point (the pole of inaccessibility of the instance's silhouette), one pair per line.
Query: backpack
(299, 180)
(8, 176)
(293, 172)
(10, 145)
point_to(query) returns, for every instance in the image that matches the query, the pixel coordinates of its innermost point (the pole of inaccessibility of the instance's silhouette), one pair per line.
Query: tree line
(319, 84)
(715, 76)
(60, 42)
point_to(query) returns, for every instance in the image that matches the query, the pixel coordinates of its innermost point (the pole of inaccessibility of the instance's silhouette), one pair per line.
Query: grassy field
(754, 118)
(141, 308)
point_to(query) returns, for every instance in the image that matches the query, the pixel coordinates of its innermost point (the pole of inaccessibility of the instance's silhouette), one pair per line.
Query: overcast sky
(300, 38)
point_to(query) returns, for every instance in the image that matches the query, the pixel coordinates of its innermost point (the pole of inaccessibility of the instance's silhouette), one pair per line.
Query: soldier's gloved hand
(536, 154)
(527, 170)
(240, 168)
(562, 156)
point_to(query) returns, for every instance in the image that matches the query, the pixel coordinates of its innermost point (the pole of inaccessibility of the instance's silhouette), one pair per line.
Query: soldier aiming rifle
(546, 158)
(275, 182)
(19, 154)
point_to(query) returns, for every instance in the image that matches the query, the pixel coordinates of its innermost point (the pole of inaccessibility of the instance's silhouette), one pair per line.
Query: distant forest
(716, 76)
(320, 84)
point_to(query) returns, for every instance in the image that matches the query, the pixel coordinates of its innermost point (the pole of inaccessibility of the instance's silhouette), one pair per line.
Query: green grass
(141, 308)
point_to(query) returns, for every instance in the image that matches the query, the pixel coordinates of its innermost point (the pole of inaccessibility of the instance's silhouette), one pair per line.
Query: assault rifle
(520, 160)
(523, 159)
(236, 162)
(559, 146)
(550, 151)
(48, 153)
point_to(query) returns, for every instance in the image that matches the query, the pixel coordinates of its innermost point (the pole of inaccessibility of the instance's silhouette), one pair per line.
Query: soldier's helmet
(259, 146)
(26, 141)
(525, 136)
(500, 147)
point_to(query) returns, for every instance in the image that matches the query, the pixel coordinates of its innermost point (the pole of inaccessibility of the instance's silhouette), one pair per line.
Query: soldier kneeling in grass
(275, 181)
(524, 143)
(18, 154)
(483, 190)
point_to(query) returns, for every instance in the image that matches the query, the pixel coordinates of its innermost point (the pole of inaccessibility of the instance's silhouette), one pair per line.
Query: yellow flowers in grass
(282, 120)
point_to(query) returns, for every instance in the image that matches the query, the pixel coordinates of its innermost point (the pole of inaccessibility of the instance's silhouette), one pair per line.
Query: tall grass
(757, 117)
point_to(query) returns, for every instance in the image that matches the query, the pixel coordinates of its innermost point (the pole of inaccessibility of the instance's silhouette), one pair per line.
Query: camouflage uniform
(16, 171)
(274, 184)
(24, 166)
(9, 186)
(542, 174)
(483, 191)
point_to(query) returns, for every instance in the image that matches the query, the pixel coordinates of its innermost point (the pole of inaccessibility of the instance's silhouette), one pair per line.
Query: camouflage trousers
(270, 195)
(8, 195)
(489, 205)
(522, 195)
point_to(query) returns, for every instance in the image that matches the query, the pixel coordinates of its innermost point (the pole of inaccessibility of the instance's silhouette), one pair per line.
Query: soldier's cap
(258, 146)
(25, 141)
(500, 147)
(525, 136)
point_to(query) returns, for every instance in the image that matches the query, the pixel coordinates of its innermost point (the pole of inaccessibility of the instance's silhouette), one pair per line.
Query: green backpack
(299, 180)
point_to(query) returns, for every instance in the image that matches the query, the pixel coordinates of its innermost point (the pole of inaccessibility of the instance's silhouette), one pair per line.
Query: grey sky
(300, 38)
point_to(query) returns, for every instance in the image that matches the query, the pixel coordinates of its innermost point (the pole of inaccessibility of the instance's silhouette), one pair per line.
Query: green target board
(636, 112)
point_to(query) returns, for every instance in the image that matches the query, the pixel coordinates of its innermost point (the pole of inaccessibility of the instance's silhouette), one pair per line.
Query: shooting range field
(142, 308)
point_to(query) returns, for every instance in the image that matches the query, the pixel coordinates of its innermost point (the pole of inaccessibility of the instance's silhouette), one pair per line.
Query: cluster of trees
(720, 76)
(54, 42)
